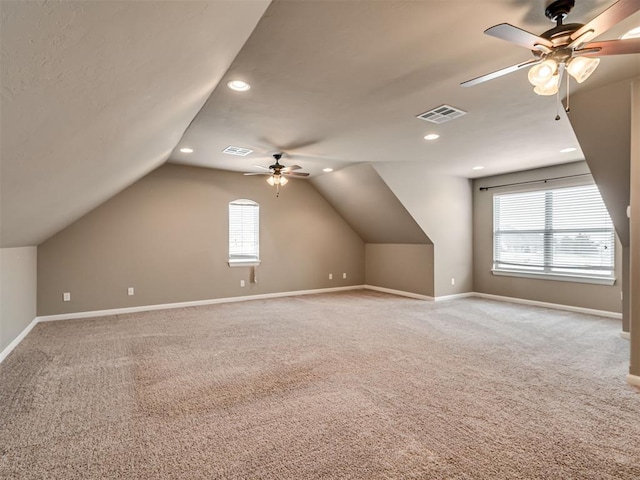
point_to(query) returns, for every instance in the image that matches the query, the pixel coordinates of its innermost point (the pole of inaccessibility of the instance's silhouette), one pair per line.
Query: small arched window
(244, 232)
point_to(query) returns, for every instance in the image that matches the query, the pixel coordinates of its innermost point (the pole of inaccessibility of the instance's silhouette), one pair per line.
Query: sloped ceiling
(97, 94)
(607, 146)
(365, 201)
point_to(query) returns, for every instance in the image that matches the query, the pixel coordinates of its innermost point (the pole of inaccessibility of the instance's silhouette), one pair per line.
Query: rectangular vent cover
(241, 152)
(442, 114)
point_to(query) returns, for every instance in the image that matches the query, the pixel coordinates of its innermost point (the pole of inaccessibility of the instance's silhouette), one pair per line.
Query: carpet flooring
(349, 385)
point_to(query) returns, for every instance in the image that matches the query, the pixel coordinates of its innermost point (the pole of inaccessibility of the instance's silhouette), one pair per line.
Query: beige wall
(599, 297)
(17, 291)
(442, 206)
(167, 236)
(404, 267)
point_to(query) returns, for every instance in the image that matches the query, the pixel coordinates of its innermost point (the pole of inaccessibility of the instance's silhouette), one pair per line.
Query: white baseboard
(556, 306)
(16, 341)
(633, 380)
(454, 296)
(194, 303)
(402, 293)
(625, 335)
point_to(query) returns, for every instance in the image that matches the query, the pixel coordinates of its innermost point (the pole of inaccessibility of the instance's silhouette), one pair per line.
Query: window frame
(546, 274)
(247, 258)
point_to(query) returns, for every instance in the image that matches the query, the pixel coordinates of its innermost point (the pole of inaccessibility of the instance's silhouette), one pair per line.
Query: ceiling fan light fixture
(549, 88)
(542, 73)
(581, 68)
(277, 180)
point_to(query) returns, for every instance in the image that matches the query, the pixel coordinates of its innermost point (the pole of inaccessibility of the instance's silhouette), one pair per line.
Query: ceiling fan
(565, 46)
(278, 173)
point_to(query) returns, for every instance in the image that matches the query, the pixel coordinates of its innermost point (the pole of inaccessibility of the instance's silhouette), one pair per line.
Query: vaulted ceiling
(97, 94)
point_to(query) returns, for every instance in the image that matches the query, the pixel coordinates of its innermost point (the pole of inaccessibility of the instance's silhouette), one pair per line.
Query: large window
(558, 232)
(244, 232)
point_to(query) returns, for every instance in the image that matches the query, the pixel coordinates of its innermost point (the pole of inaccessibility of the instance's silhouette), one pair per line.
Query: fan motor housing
(557, 11)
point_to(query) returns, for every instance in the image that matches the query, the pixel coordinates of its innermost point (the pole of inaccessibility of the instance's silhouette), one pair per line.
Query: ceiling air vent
(441, 114)
(239, 151)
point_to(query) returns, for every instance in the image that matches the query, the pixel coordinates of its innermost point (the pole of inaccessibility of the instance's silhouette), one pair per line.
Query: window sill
(244, 263)
(555, 277)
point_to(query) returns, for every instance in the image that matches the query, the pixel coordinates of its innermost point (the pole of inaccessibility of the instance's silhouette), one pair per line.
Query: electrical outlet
(344, 275)
(331, 276)
(242, 283)
(66, 297)
(130, 291)
(453, 281)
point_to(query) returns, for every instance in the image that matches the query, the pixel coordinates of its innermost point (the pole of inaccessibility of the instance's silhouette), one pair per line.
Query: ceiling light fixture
(542, 73)
(327, 170)
(478, 167)
(431, 136)
(581, 68)
(186, 150)
(549, 88)
(277, 180)
(238, 85)
(568, 149)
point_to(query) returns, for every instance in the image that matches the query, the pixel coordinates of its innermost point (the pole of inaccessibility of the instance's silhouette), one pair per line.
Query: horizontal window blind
(243, 230)
(560, 231)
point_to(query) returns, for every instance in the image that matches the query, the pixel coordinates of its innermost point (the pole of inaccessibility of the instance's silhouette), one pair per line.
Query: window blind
(560, 231)
(243, 230)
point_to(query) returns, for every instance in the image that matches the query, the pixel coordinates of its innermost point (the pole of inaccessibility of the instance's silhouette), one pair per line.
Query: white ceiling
(337, 83)
(97, 94)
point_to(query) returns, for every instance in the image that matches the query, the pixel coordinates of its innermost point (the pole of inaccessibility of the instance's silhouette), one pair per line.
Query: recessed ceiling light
(431, 136)
(633, 33)
(238, 85)
(327, 170)
(478, 167)
(567, 150)
(186, 150)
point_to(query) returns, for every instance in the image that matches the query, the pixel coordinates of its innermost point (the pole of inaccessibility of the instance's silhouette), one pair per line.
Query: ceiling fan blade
(291, 167)
(261, 166)
(256, 173)
(499, 73)
(508, 32)
(607, 19)
(609, 47)
(295, 174)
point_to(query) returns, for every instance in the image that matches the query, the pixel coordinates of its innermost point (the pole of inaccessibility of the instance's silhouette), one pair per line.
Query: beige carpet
(354, 385)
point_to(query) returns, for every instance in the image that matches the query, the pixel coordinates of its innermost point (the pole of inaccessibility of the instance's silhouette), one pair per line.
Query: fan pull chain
(567, 109)
(558, 105)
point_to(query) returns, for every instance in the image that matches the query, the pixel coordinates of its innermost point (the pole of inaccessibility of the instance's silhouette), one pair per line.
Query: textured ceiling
(97, 94)
(337, 83)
